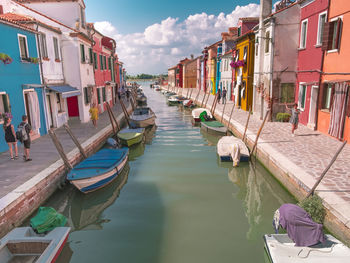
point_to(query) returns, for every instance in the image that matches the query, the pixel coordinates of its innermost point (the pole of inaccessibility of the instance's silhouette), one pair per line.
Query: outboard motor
(112, 143)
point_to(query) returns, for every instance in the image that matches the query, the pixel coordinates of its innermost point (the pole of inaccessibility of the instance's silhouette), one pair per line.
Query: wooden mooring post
(229, 120)
(223, 112)
(326, 169)
(206, 102)
(191, 94)
(258, 134)
(213, 106)
(111, 119)
(114, 118)
(75, 140)
(196, 99)
(203, 99)
(246, 125)
(60, 150)
(125, 112)
(188, 91)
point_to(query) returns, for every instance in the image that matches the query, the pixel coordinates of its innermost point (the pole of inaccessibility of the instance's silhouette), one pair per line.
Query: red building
(179, 73)
(310, 58)
(103, 59)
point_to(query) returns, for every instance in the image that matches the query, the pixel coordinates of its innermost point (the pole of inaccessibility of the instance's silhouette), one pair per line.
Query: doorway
(313, 107)
(49, 109)
(73, 106)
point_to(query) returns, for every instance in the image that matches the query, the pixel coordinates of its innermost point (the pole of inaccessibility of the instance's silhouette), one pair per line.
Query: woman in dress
(10, 137)
(294, 119)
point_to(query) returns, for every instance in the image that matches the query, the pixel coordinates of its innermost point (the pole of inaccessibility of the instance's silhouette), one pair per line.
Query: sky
(154, 35)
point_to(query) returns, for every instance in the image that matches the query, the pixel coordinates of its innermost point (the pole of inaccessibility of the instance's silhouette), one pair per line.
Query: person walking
(219, 95)
(294, 119)
(25, 129)
(224, 96)
(94, 114)
(10, 137)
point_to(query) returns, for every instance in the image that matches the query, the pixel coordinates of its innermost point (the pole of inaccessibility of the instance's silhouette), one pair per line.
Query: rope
(308, 253)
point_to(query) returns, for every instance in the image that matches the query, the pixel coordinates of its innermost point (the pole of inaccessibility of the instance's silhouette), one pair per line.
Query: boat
(173, 100)
(169, 93)
(22, 244)
(232, 149)
(188, 104)
(142, 117)
(214, 127)
(99, 169)
(281, 249)
(129, 137)
(197, 112)
(141, 100)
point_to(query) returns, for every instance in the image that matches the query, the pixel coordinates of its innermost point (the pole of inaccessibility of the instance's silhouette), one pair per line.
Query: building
(211, 67)
(199, 73)
(313, 16)
(20, 90)
(70, 17)
(334, 99)
(171, 76)
(190, 73)
(179, 73)
(276, 58)
(204, 70)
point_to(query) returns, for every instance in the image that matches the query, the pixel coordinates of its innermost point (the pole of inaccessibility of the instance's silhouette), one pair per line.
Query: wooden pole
(246, 125)
(188, 91)
(196, 99)
(191, 93)
(326, 170)
(205, 105)
(223, 111)
(215, 103)
(60, 150)
(258, 134)
(203, 99)
(125, 112)
(75, 140)
(114, 118)
(111, 120)
(229, 120)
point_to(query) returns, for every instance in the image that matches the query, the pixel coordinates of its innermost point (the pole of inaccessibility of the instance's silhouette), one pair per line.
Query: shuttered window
(104, 62)
(91, 56)
(95, 60)
(87, 95)
(56, 48)
(327, 97)
(98, 96)
(302, 96)
(82, 53)
(287, 93)
(303, 34)
(104, 93)
(332, 35)
(267, 42)
(43, 46)
(101, 63)
(23, 47)
(321, 22)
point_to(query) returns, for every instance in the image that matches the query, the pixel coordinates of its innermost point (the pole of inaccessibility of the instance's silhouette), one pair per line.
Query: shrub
(282, 117)
(313, 205)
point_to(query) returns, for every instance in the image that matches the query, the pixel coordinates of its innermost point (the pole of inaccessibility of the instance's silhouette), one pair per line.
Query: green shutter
(90, 56)
(104, 93)
(104, 62)
(95, 60)
(98, 96)
(82, 53)
(109, 63)
(101, 62)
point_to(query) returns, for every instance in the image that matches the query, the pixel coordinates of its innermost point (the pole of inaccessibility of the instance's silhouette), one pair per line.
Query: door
(49, 110)
(73, 107)
(313, 107)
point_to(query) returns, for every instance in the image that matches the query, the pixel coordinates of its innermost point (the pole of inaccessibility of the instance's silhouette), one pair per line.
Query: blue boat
(99, 169)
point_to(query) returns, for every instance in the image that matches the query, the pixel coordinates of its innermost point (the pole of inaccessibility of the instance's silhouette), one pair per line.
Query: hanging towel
(34, 110)
(338, 112)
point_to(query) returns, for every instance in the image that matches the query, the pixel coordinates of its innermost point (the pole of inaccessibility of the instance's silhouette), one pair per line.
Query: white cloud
(163, 44)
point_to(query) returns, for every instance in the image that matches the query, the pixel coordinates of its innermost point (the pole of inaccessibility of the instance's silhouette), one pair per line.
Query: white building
(75, 45)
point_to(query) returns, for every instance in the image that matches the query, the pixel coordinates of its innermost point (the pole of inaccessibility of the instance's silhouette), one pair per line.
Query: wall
(190, 74)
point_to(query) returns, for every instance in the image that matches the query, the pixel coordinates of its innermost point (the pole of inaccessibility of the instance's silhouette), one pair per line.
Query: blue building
(21, 91)
(218, 69)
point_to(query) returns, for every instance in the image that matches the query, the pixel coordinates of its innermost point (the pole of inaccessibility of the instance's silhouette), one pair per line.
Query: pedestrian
(219, 95)
(10, 137)
(94, 114)
(294, 119)
(224, 96)
(25, 129)
(119, 96)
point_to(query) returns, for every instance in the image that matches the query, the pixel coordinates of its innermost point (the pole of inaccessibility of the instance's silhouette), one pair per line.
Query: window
(109, 63)
(101, 63)
(98, 96)
(23, 47)
(245, 54)
(82, 53)
(239, 31)
(104, 63)
(267, 42)
(82, 17)
(87, 95)
(321, 22)
(95, 60)
(302, 96)
(91, 56)
(237, 55)
(104, 94)
(43, 46)
(60, 103)
(327, 97)
(4, 105)
(332, 35)
(287, 93)
(303, 34)
(56, 48)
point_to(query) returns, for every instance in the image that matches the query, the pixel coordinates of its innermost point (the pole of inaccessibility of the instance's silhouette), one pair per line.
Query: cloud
(163, 44)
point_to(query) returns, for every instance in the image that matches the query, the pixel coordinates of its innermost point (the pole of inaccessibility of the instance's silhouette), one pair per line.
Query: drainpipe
(272, 36)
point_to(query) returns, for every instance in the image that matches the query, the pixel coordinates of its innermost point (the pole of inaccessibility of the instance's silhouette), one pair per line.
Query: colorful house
(313, 16)
(334, 96)
(171, 76)
(190, 73)
(204, 70)
(20, 92)
(218, 68)
(179, 73)
(211, 67)
(276, 58)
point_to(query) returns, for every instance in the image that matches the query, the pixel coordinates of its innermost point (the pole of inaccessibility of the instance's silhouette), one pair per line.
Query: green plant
(282, 117)
(313, 205)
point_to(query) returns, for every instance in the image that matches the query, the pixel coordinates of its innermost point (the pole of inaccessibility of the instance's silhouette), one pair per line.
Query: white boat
(197, 112)
(142, 118)
(22, 244)
(232, 149)
(281, 249)
(173, 100)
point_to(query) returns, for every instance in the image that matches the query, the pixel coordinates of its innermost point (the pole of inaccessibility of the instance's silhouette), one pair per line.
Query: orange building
(334, 96)
(190, 73)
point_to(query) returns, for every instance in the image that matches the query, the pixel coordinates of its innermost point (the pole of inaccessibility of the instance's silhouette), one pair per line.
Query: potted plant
(6, 59)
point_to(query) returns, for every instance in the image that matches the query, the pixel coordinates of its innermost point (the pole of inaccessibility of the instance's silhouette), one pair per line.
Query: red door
(73, 107)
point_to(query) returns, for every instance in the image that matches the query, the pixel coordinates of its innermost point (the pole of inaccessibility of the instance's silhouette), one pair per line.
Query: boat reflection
(150, 134)
(211, 140)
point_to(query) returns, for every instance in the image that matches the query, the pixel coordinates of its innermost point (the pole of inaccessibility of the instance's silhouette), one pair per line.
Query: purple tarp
(299, 225)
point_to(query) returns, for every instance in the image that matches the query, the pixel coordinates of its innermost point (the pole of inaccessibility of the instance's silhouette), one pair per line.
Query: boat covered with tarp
(214, 127)
(232, 149)
(196, 114)
(129, 137)
(304, 241)
(99, 169)
(142, 117)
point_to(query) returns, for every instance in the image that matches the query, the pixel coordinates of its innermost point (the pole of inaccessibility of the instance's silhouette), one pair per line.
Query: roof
(13, 23)
(284, 8)
(174, 67)
(249, 19)
(212, 45)
(245, 35)
(45, 1)
(25, 19)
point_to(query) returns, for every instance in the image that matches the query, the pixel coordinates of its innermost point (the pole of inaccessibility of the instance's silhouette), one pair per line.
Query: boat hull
(143, 123)
(228, 158)
(94, 183)
(132, 141)
(214, 130)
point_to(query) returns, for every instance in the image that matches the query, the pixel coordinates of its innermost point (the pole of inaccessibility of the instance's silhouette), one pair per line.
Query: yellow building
(244, 70)
(211, 67)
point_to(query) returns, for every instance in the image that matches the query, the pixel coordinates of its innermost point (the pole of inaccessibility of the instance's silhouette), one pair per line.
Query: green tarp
(47, 219)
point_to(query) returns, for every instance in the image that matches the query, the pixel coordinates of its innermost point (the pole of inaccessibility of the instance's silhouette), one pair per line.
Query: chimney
(233, 31)
(265, 9)
(1, 10)
(192, 56)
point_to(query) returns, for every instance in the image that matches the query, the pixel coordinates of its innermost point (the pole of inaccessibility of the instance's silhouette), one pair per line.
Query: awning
(66, 91)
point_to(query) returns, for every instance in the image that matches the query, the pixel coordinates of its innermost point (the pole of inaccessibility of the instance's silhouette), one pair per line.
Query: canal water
(174, 203)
